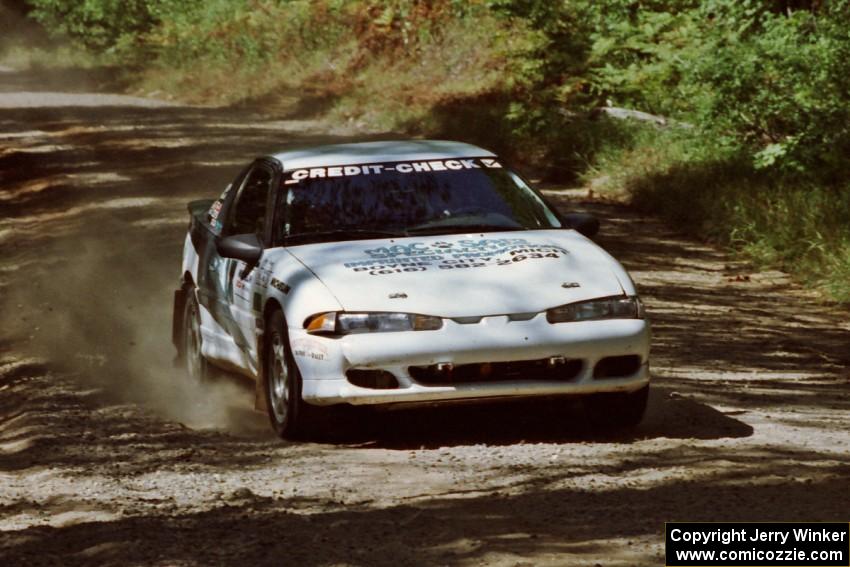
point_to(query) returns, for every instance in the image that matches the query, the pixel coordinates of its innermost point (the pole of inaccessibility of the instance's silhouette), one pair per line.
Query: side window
(249, 215)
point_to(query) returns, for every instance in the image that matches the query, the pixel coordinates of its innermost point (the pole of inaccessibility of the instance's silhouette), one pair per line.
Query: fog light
(617, 366)
(373, 379)
(556, 361)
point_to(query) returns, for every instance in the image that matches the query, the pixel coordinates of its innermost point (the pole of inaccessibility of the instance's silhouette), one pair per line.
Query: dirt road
(107, 457)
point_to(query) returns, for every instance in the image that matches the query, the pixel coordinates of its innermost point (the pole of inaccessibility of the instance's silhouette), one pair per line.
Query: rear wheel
(290, 417)
(617, 410)
(197, 367)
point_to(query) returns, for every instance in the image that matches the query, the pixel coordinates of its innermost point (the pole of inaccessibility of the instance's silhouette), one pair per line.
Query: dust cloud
(92, 222)
(100, 310)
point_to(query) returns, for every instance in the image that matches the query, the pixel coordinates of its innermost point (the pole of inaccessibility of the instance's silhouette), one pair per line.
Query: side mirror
(245, 247)
(584, 223)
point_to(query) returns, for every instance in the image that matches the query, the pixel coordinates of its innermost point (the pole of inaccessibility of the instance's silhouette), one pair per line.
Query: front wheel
(289, 415)
(617, 410)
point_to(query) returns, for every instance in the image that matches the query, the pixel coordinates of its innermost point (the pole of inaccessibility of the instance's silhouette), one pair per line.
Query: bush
(101, 25)
(780, 87)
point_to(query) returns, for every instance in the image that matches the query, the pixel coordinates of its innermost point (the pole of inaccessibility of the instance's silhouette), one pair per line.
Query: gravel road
(107, 457)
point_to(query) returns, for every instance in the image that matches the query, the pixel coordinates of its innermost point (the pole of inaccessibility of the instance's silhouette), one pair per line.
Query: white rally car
(396, 272)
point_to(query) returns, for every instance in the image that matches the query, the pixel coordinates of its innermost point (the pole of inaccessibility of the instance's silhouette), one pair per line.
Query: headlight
(343, 323)
(618, 307)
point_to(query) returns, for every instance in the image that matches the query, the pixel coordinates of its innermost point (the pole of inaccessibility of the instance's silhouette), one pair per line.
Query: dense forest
(751, 136)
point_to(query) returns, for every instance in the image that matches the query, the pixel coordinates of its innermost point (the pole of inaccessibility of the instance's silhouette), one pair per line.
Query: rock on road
(107, 457)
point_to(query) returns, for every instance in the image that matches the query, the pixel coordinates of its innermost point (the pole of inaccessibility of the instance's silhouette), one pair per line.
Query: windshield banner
(299, 175)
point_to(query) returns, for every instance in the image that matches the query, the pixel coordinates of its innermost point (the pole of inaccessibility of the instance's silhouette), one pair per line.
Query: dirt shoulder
(108, 458)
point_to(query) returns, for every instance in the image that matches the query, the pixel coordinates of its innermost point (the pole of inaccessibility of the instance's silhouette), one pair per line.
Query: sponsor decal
(467, 247)
(435, 165)
(263, 276)
(309, 348)
(460, 254)
(279, 285)
(215, 211)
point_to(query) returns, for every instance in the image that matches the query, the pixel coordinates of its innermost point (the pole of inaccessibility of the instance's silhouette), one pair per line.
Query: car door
(212, 278)
(243, 295)
(211, 284)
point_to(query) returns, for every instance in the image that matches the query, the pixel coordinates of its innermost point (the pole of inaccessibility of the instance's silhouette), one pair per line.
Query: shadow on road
(518, 422)
(56, 425)
(568, 524)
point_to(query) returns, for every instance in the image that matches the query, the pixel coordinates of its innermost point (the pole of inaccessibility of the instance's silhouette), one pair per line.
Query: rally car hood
(464, 275)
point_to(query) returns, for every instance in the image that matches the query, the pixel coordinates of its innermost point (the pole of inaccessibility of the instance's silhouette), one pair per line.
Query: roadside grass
(358, 54)
(400, 89)
(24, 57)
(211, 80)
(25, 45)
(706, 189)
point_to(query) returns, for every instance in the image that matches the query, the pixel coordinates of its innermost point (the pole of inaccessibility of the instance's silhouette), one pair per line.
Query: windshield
(400, 199)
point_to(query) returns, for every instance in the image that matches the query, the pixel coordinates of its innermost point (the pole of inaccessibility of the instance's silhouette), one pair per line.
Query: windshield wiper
(478, 221)
(342, 234)
(465, 227)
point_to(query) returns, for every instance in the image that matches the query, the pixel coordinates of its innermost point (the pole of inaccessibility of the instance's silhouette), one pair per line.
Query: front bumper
(324, 362)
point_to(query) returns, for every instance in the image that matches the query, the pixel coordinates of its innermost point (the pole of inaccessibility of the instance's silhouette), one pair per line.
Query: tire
(617, 410)
(198, 369)
(289, 415)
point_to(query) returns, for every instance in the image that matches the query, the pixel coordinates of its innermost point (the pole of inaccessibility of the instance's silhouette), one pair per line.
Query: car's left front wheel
(289, 415)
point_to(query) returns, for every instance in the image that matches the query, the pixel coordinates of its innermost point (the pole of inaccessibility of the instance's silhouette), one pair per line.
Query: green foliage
(640, 58)
(99, 24)
(782, 90)
(554, 62)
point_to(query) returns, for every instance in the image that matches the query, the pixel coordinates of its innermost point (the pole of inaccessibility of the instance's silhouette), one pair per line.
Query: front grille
(617, 366)
(543, 369)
